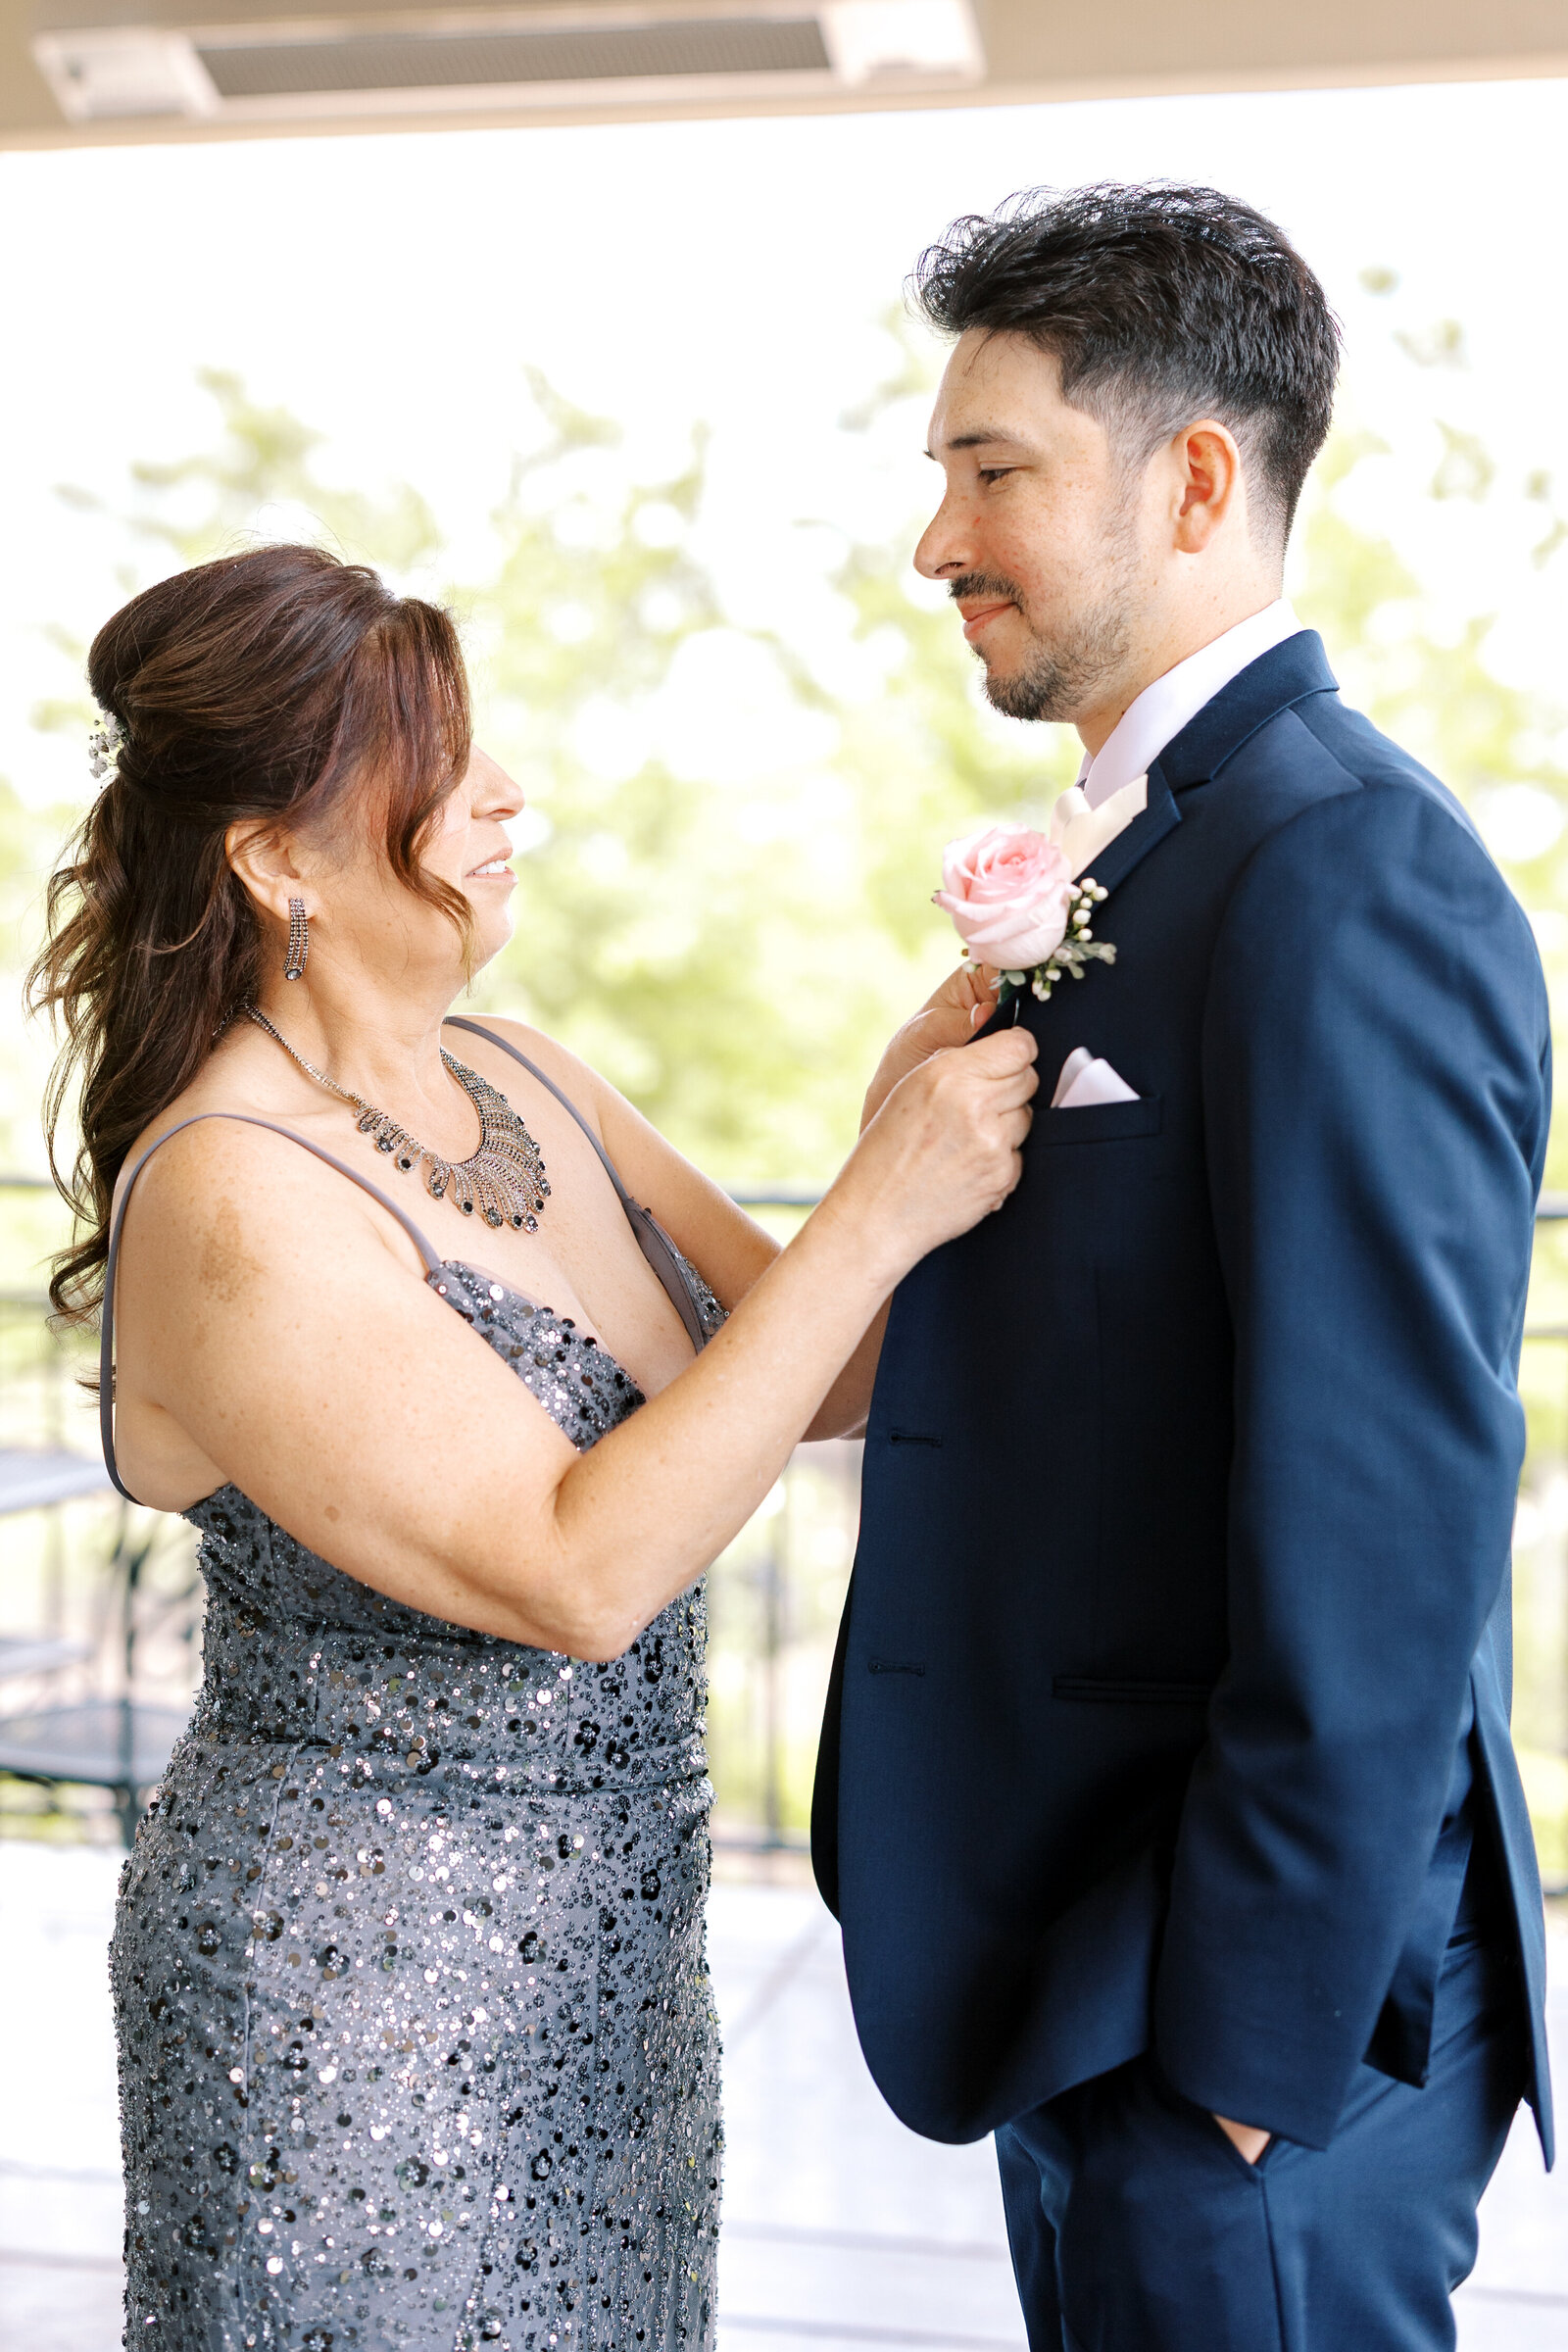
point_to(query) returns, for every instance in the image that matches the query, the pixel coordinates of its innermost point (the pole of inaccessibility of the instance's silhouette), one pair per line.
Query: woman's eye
(996, 473)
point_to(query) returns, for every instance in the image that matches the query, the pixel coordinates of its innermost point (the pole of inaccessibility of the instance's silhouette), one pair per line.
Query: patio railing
(100, 1606)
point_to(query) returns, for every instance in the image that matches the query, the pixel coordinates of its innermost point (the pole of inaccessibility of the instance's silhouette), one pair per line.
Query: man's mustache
(986, 583)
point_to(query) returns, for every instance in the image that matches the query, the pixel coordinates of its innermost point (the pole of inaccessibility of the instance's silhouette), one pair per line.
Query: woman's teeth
(497, 865)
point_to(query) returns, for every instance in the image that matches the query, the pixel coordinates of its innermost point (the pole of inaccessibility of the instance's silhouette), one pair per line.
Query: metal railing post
(774, 1565)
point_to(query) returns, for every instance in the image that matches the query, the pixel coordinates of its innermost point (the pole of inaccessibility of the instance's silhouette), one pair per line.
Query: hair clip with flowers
(103, 746)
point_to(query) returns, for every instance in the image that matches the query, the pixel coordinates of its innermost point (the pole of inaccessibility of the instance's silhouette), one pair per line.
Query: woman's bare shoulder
(226, 1150)
(185, 1166)
(207, 1125)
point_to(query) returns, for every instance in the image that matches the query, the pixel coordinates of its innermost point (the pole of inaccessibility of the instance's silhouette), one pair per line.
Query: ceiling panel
(216, 69)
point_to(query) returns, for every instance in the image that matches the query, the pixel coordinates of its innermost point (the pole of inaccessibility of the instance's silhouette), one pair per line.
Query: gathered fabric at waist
(403, 1702)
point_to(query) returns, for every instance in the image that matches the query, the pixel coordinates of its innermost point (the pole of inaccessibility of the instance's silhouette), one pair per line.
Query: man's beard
(1060, 678)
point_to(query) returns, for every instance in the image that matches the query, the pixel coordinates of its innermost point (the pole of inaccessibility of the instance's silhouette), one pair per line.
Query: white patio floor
(841, 2228)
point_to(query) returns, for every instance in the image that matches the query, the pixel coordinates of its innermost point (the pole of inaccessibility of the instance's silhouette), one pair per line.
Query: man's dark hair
(1162, 304)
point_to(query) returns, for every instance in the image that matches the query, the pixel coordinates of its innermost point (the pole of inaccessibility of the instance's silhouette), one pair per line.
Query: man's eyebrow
(981, 439)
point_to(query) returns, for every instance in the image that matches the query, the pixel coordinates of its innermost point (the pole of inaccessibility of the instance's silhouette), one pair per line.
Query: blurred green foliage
(681, 943)
(733, 961)
(733, 955)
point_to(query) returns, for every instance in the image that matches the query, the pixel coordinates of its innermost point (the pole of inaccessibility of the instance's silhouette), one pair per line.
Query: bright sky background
(391, 289)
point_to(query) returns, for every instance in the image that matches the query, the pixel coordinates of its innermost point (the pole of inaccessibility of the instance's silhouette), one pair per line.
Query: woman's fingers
(1020, 1086)
(951, 1016)
(982, 995)
(1009, 1056)
(994, 1085)
(946, 1151)
(1005, 1069)
(964, 1002)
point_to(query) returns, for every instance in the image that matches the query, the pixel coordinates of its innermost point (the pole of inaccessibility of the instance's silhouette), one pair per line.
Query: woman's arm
(948, 1018)
(727, 1246)
(266, 1312)
(730, 1250)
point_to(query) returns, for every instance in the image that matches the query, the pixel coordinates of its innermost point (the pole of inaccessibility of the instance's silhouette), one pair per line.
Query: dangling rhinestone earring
(299, 939)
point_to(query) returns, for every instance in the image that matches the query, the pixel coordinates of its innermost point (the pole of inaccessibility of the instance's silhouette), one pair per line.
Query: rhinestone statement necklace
(503, 1180)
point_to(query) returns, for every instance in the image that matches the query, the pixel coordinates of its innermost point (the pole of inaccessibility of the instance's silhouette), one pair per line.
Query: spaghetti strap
(477, 1029)
(653, 1242)
(106, 1340)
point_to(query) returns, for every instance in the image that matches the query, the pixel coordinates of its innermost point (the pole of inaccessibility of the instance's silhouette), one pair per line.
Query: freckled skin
(226, 1260)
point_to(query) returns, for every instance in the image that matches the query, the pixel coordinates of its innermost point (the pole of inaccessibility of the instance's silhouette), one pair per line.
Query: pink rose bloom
(1007, 890)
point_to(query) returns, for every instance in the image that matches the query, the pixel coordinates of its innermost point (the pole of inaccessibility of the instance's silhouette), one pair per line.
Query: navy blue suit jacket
(1175, 1670)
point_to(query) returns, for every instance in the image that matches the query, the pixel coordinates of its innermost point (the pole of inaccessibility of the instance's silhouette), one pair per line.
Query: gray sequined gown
(417, 2046)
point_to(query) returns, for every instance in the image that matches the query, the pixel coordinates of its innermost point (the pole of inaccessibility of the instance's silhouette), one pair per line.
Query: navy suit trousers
(1136, 2226)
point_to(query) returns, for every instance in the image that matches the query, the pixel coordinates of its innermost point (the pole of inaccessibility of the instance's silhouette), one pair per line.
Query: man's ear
(263, 860)
(1209, 483)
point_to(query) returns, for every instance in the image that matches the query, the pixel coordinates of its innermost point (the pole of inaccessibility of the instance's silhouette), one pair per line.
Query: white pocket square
(1084, 1080)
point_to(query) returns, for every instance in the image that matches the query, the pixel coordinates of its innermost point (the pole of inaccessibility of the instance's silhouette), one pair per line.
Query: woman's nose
(495, 794)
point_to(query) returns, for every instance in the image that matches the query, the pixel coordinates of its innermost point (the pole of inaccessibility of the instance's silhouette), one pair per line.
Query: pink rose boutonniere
(1016, 906)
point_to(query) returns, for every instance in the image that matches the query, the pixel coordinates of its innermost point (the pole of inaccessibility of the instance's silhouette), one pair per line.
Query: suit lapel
(1277, 680)
(1285, 675)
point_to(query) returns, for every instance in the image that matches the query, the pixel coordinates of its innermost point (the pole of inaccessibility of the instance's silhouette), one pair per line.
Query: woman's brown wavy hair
(277, 684)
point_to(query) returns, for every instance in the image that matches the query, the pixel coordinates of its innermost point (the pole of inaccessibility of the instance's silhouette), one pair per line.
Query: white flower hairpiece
(103, 745)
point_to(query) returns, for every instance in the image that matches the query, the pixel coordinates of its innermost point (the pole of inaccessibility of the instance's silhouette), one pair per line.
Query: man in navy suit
(1166, 1795)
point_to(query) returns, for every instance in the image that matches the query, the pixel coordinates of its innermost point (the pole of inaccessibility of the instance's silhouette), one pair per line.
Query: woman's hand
(943, 1151)
(963, 1003)
(423, 1467)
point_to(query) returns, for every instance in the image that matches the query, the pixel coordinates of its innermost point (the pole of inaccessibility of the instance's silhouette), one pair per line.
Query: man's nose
(945, 543)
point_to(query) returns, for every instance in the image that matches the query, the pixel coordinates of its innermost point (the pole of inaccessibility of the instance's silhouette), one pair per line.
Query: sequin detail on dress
(417, 2044)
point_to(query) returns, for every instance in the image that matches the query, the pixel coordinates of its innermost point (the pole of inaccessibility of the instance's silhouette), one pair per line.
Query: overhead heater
(456, 60)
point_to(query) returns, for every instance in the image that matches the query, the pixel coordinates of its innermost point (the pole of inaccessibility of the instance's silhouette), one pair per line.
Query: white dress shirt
(1162, 709)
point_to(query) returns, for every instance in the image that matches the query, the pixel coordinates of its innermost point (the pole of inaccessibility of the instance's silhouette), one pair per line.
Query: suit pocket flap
(1099, 1122)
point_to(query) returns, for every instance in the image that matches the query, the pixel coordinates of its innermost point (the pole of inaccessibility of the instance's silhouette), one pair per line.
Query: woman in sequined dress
(417, 2042)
